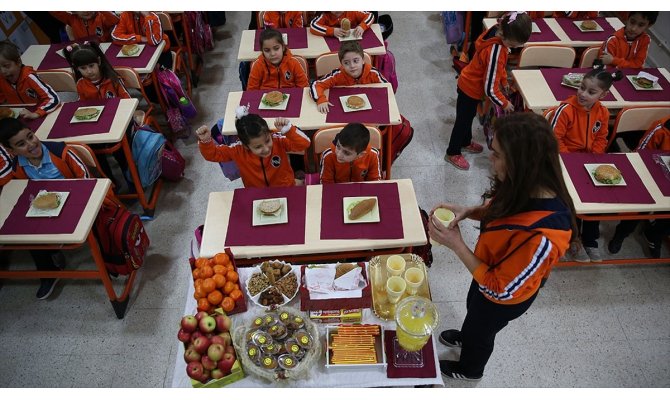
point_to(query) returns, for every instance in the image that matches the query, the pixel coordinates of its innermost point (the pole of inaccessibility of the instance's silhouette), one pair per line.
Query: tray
(380, 305)
(307, 304)
(379, 350)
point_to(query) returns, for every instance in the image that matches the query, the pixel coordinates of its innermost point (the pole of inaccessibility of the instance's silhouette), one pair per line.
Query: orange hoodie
(273, 170)
(325, 24)
(5, 166)
(288, 74)
(99, 26)
(658, 136)
(578, 130)
(131, 26)
(283, 19)
(87, 90)
(627, 54)
(63, 157)
(29, 89)
(365, 168)
(486, 74)
(339, 77)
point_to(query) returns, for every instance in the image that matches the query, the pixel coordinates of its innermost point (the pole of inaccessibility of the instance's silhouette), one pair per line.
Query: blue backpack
(147, 151)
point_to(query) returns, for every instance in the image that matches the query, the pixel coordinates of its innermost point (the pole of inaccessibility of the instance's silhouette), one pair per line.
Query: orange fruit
(236, 294)
(197, 282)
(228, 304)
(215, 297)
(228, 287)
(229, 267)
(199, 293)
(220, 280)
(196, 273)
(219, 269)
(237, 286)
(206, 272)
(201, 262)
(208, 285)
(221, 258)
(203, 304)
(232, 276)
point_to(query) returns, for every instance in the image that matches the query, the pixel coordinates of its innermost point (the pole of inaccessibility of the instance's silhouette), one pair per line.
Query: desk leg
(150, 205)
(388, 153)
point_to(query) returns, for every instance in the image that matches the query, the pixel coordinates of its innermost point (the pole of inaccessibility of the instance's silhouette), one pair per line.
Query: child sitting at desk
(353, 71)
(329, 23)
(275, 68)
(88, 24)
(260, 154)
(627, 47)
(20, 84)
(283, 19)
(350, 157)
(137, 27)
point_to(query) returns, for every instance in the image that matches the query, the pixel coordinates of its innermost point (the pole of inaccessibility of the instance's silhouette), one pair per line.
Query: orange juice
(416, 318)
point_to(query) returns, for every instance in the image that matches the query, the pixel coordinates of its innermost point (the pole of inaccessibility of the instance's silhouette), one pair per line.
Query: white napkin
(646, 75)
(321, 283)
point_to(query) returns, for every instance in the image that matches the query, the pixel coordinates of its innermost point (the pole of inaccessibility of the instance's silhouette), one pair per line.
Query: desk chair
(631, 119)
(69, 32)
(60, 81)
(303, 63)
(545, 55)
(324, 137)
(589, 56)
(88, 157)
(327, 62)
(133, 81)
(179, 65)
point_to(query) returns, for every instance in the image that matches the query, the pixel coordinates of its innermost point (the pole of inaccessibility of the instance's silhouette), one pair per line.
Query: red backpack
(385, 64)
(173, 163)
(401, 135)
(121, 236)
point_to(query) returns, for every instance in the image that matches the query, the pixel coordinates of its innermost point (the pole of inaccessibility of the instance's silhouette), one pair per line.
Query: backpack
(201, 32)
(173, 163)
(493, 111)
(385, 64)
(121, 236)
(425, 251)
(147, 149)
(229, 168)
(244, 70)
(179, 107)
(401, 135)
(452, 21)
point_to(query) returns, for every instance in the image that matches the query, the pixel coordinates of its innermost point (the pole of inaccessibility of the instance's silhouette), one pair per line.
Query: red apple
(200, 315)
(208, 363)
(215, 351)
(223, 323)
(217, 374)
(226, 363)
(201, 344)
(183, 336)
(207, 324)
(196, 335)
(195, 370)
(191, 355)
(227, 339)
(205, 376)
(189, 323)
(219, 340)
(230, 350)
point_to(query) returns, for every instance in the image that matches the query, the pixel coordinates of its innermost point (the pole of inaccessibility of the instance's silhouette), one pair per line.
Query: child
(283, 19)
(142, 27)
(657, 137)
(627, 47)
(260, 154)
(580, 125)
(20, 85)
(95, 76)
(275, 68)
(40, 160)
(350, 157)
(485, 75)
(353, 71)
(329, 23)
(89, 24)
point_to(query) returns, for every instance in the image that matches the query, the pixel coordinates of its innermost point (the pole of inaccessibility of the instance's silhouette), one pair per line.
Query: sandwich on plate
(46, 201)
(130, 49)
(355, 102)
(86, 113)
(274, 98)
(607, 174)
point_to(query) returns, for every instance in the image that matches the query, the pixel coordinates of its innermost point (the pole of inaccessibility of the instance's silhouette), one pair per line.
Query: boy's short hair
(9, 51)
(9, 127)
(348, 47)
(354, 136)
(650, 16)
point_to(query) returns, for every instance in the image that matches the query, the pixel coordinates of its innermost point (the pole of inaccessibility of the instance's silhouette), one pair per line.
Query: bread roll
(345, 24)
(342, 269)
(47, 201)
(363, 207)
(607, 174)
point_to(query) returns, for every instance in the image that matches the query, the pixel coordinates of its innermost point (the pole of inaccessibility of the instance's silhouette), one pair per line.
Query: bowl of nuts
(273, 283)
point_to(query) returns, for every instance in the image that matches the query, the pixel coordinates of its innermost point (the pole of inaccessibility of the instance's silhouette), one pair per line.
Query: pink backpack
(201, 33)
(173, 163)
(179, 107)
(385, 64)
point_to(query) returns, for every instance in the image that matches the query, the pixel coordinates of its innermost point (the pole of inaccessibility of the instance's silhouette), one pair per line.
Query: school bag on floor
(401, 135)
(201, 33)
(172, 162)
(491, 112)
(147, 149)
(180, 108)
(385, 64)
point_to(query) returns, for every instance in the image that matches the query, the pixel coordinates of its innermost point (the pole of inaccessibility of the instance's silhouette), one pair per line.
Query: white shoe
(577, 253)
(593, 254)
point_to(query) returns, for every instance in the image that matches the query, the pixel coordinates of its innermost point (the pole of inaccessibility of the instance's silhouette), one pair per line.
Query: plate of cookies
(273, 283)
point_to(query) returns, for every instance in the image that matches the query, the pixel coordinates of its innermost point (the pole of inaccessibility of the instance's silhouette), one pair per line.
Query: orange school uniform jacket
(578, 130)
(325, 24)
(658, 136)
(29, 89)
(627, 54)
(63, 157)
(365, 168)
(518, 251)
(99, 26)
(486, 75)
(5, 166)
(283, 19)
(288, 74)
(340, 78)
(105, 89)
(273, 170)
(131, 26)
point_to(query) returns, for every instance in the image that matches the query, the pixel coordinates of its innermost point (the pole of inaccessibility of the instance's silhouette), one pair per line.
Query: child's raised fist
(204, 134)
(280, 123)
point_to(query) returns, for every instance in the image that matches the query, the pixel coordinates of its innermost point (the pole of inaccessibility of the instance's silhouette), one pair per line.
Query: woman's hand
(324, 107)
(460, 212)
(281, 122)
(203, 134)
(358, 32)
(447, 236)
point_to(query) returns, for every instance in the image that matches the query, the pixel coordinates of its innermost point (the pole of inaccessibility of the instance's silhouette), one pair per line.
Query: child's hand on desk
(28, 114)
(203, 134)
(607, 59)
(358, 32)
(324, 107)
(281, 123)
(339, 32)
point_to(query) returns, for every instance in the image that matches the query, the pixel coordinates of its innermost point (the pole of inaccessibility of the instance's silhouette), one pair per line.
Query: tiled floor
(600, 326)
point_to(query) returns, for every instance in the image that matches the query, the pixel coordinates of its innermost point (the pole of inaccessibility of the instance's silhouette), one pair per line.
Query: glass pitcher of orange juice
(416, 318)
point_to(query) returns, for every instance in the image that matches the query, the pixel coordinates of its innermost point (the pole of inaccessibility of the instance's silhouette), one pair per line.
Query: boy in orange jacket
(329, 23)
(350, 157)
(136, 27)
(627, 47)
(88, 24)
(283, 19)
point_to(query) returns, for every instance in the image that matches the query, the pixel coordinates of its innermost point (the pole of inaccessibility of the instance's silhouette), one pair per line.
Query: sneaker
(46, 287)
(450, 369)
(654, 246)
(614, 246)
(458, 161)
(577, 253)
(594, 254)
(451, 338)
(473, 147)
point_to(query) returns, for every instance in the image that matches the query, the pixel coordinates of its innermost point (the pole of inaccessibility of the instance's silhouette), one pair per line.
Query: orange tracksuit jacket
(283, 19)
(365, 168)
(288, 74)
(273, 170)
(64, 158)
(518, 251)
(626, 54)
(106, 89)
(131, 26)
(5, 166)
(338, 77)
(658, 136)
(325, 24)
(29, 89)
(100, 25)
(486, 74)
(578, 130)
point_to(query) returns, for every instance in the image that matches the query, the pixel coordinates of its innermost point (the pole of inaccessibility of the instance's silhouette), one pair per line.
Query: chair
(589, 56)
(259, 19)
(325, 63)
(69, 32)
(60, 81)
(544, 55)
(88, 157)
(303, 63)
(636, 119)
(132, 81)
(324, 137)
(179, 64)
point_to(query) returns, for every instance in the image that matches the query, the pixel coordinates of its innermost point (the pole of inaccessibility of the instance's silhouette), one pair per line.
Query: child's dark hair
(9, 51)
(354, 136)
(348, 47)
(89, 53)
(650, 16)
(9, 127)
(603, 77)
(268, 34)
(250, 127)
(519, 29)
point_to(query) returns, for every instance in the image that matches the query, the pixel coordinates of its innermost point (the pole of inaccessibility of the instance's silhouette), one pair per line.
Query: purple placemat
(297, 38)
(140, 61)
(545, 34)
(629, 93)
(428, 369)
(657, 169)
(253, 98)
(66, 222)
(332, 212)
(52, 60)
(553, 77)
(64, 128)
(575, 34)
(241, 232)
(379, 114)
(33, 124)
(633, 193)
(368, 41)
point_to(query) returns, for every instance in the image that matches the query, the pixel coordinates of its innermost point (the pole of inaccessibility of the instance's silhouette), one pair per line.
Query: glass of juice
(445, 216)
(416, 318)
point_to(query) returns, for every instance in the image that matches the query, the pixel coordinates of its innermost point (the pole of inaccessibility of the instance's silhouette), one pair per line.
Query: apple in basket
(201, 344)
(205, 376)
(195, 370)
(207, 324)
(191, 355)
(223, 323)
(183, 336)
(218, 339)
(230, 350)
(226, 363)
(215, 352)
(200, 315)
(227, 339)
(196, 335)
(217, 374)
(208, 363)
(189, 323)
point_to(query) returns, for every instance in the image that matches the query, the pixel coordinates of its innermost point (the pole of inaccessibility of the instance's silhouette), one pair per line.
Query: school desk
(539, 96)
(71, 229)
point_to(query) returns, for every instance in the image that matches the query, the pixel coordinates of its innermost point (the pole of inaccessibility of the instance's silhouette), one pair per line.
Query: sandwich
(86, 113)
(355, 102)
(607, 174)
(644, 82)
(274, 98)
(269, 207)
(342, 269)
(345, 24)
(6, 112)
(572, 79)
(361, 208)
(46, 201)
(589, 25)
(130, 49)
